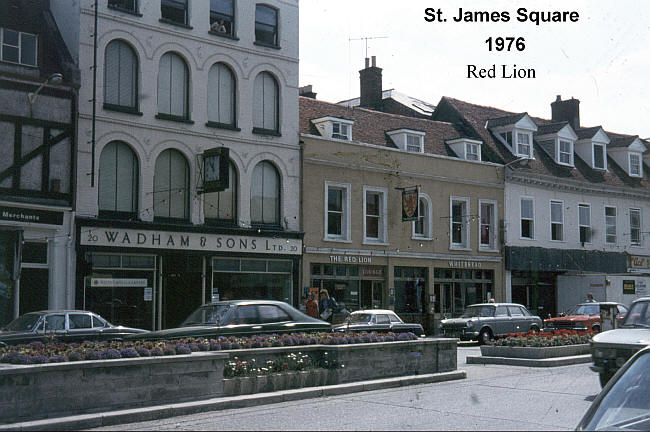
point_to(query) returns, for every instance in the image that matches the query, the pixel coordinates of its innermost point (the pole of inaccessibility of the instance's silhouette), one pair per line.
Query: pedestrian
(491, 300)
(327, 306)
(312, 306)
(303, 304)
(590, 298)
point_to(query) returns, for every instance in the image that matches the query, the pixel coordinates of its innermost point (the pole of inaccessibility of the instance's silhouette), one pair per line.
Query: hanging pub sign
(410, 202)
(216, 169)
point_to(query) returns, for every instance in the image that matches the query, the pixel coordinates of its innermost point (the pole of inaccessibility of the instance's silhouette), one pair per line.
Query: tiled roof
(370, 126)
(585, 133)
(506, 120)
(473, 118)
(422, 107)
(550, 128)
(622, 141)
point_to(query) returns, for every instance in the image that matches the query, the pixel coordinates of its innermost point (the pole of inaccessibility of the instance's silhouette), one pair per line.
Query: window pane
(599, 156)
(178, 87)
(222, 205)
(265, 194)
(34, 253)
(265, 25)
(334, 199)
(164, 84)
(171, 185)
(556, 212)
(221, 101)
(28, 49)
(584, 215)
(265, 102)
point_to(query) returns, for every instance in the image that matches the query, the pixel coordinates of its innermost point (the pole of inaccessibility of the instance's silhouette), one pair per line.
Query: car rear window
(55, 322)
(80, 321)
(23, 323)
(245, 315)
(383, 319)
(272, 313)
(515, 311)
(502, 311)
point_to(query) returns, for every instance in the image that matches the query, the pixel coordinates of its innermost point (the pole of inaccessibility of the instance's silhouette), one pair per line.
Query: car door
(80, 327)
(244, 321)
(518, 319)
(55, 326)
(502, 323)
(275, 320)
(382, 322)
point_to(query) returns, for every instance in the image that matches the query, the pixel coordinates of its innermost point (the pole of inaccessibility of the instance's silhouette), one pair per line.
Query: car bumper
(550, 329)
(464, 334)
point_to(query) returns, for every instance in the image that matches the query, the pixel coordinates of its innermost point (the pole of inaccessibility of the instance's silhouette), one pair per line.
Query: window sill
(267, 45)
(375, 242)
(336, 240)
(223, 35)
(119, 9)
(174, 118)
(122, 109)
(421, 238)
(174, 23)
(527, 238)
(557, 241)
(487, 249)
(459, 248)
(226, 126)
(268, 132)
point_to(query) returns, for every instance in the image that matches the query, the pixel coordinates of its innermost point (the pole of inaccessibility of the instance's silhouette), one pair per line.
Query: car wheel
(604, 378)
(534, 329)
(596, 329)
(484, 336)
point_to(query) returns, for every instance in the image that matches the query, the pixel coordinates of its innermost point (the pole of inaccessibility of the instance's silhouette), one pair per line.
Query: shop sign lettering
(639, 262)
(118, 282)
(145, 239)
(372, 271)
(465, 264)
(347, 259)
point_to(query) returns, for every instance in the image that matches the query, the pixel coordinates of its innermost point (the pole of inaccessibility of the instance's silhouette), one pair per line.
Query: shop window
(34, 253)
(120, 76)
(222, 264)
(253, 265)
(266, 104)
(328, 270)
(173, 88)
(280, 266)
(340, 270)
(138, 262)
(221, 207)
(266, 25)
(221, 96)
(410, 288)
(315, 269)
(265, 195)
(171, 186)
(222, 17)
(118, 181)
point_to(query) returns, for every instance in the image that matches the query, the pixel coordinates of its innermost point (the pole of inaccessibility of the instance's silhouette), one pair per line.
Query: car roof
(496, 304)
(373, 311)
(241, 302)
(50, 311)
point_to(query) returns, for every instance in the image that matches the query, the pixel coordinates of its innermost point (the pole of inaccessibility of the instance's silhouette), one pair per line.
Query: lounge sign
(150, 239)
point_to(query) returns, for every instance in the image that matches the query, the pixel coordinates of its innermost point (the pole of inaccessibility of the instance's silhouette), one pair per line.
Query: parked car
(610, 349)
(624, 403)
(485, 321)
(63, 325)
(585, 316)
(241, 318)
(378, 320)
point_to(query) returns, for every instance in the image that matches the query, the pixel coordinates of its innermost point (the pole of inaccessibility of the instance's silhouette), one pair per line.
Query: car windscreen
(23, 323)
(638, 315)
(627, 403)
(360, 318)
(478, 311)
(584, 310)
(212, 314)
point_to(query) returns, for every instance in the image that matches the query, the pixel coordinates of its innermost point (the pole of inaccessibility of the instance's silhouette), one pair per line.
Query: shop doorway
(371, 292)
(33, 289)
(182, 288)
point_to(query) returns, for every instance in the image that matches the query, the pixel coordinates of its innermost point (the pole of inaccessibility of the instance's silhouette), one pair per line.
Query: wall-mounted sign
(410, 201)
(149, 239)
(118, 282)
(372, 271)
(350, 259)
(639, 262)
(19, 214)
(629, 287)
(465, 264)
(148, 294)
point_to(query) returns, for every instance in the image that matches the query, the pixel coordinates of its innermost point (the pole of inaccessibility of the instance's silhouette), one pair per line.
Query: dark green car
(241, 318)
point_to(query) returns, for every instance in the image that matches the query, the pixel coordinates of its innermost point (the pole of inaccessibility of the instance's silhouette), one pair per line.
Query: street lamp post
(55, 78)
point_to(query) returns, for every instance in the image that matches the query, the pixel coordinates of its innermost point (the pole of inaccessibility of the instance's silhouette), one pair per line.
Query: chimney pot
(558, 98)
(367, 62)
(374, 61)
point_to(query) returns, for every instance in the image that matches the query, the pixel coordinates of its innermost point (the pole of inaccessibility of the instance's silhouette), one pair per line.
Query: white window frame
(529, 144)
(615, 224)
(561, 153)
(465, 232)
(532, 219)
(428, 221)
(593, 156)
(20, 47)
(383, 216)
(552, 222)
(342, 126)
(420, 144)
(639, 171)
(345, 217)
(492, 246)
(581, 225)
(473, 150)
(640, 235)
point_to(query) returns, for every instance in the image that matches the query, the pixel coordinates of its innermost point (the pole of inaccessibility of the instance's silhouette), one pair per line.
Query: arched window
(171, 186)
(422, 226)
(265, 103)
(173, 87)
(120, 76)
(221, 207)
(265, 195)
(221, 95)
(118, 180)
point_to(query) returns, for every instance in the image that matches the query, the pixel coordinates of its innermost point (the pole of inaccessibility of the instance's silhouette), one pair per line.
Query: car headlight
(604, 353)
(470, 324)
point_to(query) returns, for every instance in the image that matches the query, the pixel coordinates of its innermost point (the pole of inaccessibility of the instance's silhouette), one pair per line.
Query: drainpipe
(94, 121)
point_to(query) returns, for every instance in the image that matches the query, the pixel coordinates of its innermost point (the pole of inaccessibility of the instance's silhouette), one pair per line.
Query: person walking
(312, 306)
(327, 306)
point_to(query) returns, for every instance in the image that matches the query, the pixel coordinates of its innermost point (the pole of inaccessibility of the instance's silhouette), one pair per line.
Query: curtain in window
(222, 205)
(120, 75)
(265, 103)
(173, 86)
(118, 179)
(171, 184)
(265, 194)
(221, 95)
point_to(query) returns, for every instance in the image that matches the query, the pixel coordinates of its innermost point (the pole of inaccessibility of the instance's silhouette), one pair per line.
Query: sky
(603, 59)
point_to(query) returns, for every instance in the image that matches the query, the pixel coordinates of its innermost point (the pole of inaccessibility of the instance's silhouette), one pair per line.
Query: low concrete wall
(60, 389)
(534, 352)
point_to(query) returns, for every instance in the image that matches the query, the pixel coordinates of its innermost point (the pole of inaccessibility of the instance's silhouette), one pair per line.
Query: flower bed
(545, 339)
(39, 353)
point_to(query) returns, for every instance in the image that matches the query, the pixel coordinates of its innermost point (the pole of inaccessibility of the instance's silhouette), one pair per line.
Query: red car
(585, 316)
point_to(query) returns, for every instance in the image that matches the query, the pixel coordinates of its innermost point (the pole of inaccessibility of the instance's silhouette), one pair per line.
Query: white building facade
(186, 91)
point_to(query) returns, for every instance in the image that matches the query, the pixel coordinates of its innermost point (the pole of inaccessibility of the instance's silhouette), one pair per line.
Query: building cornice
(402, 254)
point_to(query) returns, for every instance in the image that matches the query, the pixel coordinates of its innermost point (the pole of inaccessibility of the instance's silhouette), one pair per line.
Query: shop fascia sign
(151, 239)
(465, 264)
(639, 262)
(118, 282)
(350, 259)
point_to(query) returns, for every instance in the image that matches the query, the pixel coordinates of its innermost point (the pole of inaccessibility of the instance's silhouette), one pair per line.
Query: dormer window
(565, 152)
(515, 132)
(635, 164)
(523, 144)
(557, 139)
(409, 140)
(466, 148)
(334, 127)
(599, 156)
(340, 131)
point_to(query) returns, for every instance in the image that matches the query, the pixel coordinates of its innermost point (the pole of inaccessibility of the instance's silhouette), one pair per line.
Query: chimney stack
(567, 110)
(371, 85)
(307, 91)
